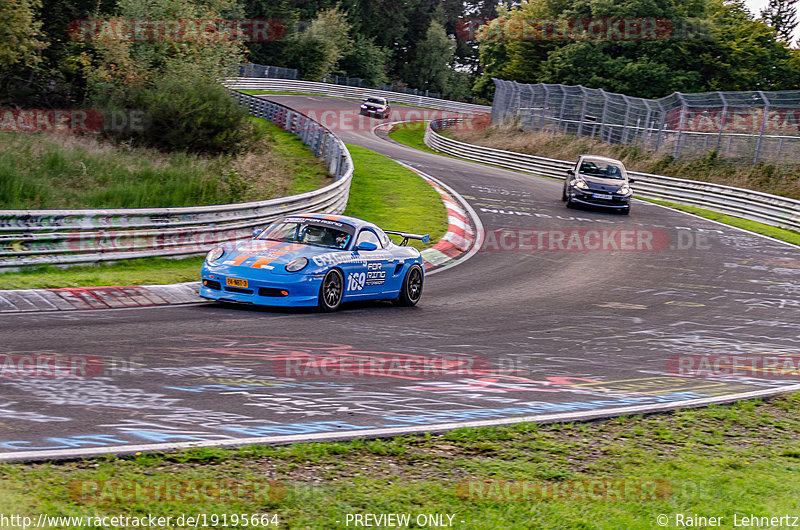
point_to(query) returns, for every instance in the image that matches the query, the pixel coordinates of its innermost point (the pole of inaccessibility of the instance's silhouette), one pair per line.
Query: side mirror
(631, 181)
(257, 231)
(366, 245)
(571, 172)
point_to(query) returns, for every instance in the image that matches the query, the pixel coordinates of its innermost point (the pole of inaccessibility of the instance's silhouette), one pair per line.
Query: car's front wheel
(331, 291)
(411, 291)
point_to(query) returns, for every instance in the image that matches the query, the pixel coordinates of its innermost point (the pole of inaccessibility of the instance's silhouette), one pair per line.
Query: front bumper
(587, 198)
(302, 290)
(374, 112)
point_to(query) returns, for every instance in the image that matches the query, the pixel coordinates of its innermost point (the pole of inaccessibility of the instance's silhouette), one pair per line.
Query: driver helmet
(314, 234)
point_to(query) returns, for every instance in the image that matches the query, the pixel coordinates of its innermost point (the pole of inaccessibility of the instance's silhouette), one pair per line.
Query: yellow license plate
(235, 282)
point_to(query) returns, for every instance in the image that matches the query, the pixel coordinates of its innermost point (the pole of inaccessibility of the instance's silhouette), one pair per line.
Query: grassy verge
(411, 134)
(393, 197)
(146, 271)
(382, 191)
(790, 236)
(725, 461)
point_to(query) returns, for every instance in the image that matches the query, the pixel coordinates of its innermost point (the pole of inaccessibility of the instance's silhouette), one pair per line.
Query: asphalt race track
(562, 314)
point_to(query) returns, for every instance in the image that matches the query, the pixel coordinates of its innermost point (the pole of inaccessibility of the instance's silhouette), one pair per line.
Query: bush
(191, 114)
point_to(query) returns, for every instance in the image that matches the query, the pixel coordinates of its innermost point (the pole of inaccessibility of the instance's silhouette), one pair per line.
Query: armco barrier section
(61, 237)
(764, 208)
(329, 89)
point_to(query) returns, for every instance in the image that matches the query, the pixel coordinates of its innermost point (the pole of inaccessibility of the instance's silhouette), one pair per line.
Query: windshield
(376, 101)
(602, 169)
(316, 232)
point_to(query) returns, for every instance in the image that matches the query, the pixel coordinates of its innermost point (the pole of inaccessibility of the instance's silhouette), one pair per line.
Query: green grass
(306, 171)
(145, 271)
(789, 236)
(51, 171)
(393, 197)
(738, 459)
(411, 134)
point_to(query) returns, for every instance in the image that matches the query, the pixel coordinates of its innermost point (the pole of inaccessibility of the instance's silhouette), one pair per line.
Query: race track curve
(563, 314)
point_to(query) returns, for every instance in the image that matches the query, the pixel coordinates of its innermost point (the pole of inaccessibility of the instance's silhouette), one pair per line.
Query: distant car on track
(598, 181)
(315, 259)
(375, 106)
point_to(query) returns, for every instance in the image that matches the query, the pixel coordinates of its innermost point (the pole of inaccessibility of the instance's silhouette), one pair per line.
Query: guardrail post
(763, 126)
(543, 114)
(684, 110)
(603, 115)
(722, 118)
(645, 129)
(583, 111)
(624, 135)
(563, 108)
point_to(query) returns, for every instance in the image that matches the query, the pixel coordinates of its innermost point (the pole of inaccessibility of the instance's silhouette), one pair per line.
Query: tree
(317, 50)
(724, 48)
(20, 41)
(366, 61)
(174, 79)
(431, 67)
(781, 15)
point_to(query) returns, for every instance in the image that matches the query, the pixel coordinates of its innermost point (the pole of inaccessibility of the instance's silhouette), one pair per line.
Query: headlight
(215, 254)
(580, 184)
(624, 190)
(296, 264)
(363, 106)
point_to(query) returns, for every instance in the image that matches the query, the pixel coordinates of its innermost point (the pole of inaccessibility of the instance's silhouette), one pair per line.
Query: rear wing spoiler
(406, 236)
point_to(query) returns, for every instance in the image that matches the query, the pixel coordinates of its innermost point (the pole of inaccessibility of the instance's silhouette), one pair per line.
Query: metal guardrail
(62, 237)
(764, 208)
(328, 89)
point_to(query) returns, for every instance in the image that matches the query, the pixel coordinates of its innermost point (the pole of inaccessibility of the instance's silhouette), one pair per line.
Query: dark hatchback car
(598, 181)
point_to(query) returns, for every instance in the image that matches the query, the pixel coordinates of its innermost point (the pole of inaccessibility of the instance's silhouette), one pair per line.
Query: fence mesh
(260, 70)
(747, 126)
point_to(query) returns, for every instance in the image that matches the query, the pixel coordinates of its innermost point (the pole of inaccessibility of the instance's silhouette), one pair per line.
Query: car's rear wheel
(331, 291)
(411, 291)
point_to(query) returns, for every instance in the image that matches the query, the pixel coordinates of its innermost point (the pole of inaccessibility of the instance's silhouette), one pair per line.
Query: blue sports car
(315, 260)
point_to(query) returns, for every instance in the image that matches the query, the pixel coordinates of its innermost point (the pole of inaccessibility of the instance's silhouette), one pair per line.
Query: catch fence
(746, 126)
